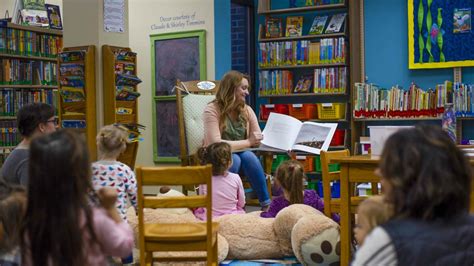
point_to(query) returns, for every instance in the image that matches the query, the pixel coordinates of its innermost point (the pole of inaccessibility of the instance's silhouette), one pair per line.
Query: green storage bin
(313, 185)
(278, 159)
(333, 167)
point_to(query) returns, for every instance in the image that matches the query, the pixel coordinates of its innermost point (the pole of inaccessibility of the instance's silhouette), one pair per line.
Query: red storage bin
(304, 111)
(338, 138)
(265, 110)
(282, 109)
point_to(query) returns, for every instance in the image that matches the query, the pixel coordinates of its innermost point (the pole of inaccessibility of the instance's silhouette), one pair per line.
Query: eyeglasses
(53, 120)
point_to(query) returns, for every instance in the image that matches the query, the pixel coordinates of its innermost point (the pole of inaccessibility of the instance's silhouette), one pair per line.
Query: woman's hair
(112, 141)
(58, 213)
(218, 154)
(429, 177)
(12, 210)
(31, 115)
(375, 210)
(290, 175)
(225, 96)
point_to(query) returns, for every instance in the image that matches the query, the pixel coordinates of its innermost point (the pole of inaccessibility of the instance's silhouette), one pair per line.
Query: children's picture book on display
(125, 68)
(294, 26)
(126, 93)
(35, 17)
(304, 84)
(72, 81)
(124, 79)
(71, 94)
(319, 23)
(336, 23)
(462, 20)
(71, 70)
(71, 56)
(273, 27)
(286, 133)
(54, 16)
(73, 124)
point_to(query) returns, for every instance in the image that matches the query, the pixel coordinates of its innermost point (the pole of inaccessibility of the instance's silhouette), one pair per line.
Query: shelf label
(269, 105)
(297, 105)
(326, 104)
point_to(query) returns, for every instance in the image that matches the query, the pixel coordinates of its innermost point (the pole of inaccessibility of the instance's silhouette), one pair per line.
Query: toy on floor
(298, 230)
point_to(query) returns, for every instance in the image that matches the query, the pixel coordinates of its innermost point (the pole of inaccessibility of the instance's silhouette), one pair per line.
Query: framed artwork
(182, 56)
(440, 34)
(54, 17)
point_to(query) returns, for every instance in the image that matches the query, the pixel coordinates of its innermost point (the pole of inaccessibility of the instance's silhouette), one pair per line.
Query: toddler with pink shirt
(228, 196)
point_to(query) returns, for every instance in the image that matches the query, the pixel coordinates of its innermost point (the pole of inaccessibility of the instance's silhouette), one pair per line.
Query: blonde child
(228, 194)
(371, 213)
(12, 210)
(108, 172)
(290, 177)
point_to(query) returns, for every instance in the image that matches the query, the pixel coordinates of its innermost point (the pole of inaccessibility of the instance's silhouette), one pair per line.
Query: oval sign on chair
(206, 85)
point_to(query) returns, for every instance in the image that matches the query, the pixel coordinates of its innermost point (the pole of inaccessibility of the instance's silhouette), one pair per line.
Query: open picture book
(286, 133)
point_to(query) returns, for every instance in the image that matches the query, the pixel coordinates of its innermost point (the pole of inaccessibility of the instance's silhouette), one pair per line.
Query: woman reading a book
(228, 118)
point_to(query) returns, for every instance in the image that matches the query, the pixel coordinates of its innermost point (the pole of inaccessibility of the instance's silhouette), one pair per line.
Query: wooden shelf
(306, 37)
(304, 66)
(7, 147)
(303, 94)
(72, 62)
(29, 57)
(301, 9)
(34, 29)
(29, 86)
(7, 117)
(84, 110)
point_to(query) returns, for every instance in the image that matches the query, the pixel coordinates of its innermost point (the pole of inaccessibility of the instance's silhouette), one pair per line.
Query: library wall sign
(182, 21)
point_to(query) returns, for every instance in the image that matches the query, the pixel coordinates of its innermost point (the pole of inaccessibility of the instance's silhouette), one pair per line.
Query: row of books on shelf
(10, 136)
(294, 26)
(21, 42)
(305, 111)
(306, 3)
(13, 99)
(371, 101)
(325, 80)
(21, 72)
(125, 55)
(72, 56)
(301, 52)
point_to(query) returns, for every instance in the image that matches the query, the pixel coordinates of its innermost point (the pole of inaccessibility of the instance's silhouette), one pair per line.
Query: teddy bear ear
(323, 247)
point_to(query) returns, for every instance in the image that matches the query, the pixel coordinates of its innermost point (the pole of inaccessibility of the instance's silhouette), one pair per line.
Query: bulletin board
(178, 55)
(440, 33)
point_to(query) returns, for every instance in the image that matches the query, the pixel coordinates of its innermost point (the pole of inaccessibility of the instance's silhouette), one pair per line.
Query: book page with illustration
(286, 133)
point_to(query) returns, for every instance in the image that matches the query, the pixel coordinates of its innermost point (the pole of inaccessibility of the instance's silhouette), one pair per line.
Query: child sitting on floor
(12, 210)
(371, 213)
(108, 172)
(290, 177)
(228, 194)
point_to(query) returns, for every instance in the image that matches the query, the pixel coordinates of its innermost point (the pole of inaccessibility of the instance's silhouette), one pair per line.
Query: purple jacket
(310, 198)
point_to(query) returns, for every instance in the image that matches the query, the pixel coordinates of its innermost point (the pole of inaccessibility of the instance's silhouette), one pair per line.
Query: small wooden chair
(333, 205)
(191, 101)
(176, 236)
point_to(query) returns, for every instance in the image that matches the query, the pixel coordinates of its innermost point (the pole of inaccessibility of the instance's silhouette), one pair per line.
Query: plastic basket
(278, 159)
(331, 111)
(338, 138)
(333, 167)
(304, 111)
(307, 161)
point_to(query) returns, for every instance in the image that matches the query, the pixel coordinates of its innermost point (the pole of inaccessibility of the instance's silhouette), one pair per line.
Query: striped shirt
(377, 249)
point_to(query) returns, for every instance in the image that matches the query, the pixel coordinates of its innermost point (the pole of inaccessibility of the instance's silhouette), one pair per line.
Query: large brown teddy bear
(298, 230)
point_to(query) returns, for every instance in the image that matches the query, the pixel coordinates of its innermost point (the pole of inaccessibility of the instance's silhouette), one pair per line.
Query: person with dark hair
(229, 119)
(427, 180)
(32, 120)
(60, 226)
(12, 210)
(228, 194)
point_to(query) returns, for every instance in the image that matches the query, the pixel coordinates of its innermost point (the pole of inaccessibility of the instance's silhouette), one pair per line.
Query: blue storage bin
(335, 189)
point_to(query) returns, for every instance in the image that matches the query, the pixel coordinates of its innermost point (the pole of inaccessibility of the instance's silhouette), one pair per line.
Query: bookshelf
(78, 93)
(28, 73)
(120, 109)
(278, 78)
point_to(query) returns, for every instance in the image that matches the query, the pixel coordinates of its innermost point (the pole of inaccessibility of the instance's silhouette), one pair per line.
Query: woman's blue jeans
(251, 167)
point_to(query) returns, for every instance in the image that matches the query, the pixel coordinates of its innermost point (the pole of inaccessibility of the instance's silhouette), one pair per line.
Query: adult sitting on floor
(229, 119)
(33, 120)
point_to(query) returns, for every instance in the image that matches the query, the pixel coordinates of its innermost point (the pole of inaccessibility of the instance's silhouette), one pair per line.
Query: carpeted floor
(286, 261)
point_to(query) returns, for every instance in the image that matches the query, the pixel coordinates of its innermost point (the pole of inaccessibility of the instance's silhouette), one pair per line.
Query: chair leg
(149, 258)
(212, 258)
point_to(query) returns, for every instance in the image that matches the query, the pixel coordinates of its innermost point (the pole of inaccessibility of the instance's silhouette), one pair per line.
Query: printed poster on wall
(114, 12)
